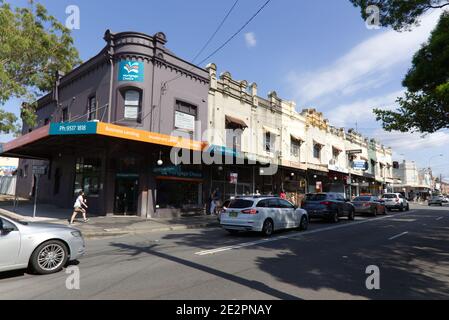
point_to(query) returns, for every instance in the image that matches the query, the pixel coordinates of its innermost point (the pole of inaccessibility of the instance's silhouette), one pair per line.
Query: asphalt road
(329, 261)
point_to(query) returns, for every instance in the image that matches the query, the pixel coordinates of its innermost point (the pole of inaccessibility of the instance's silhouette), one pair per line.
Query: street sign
(39, 170)
(350, 152)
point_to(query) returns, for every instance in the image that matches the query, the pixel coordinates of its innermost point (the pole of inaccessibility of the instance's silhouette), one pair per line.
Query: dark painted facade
(134, 82)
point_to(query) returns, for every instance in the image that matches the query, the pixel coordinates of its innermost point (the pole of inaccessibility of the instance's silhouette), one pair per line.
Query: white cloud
(365, 65)
(250, 39)
(407, 142)
(361, 111)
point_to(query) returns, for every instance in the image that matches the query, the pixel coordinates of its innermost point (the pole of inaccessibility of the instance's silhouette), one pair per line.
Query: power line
(216, 31)
(237, 32)
(225, 43)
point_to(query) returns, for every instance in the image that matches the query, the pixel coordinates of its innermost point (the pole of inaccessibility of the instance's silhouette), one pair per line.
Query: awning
(297, 138)
(236, 121)
(364, 158)
(337, 148)
(319, 143)
(55, 135)
(271, 130)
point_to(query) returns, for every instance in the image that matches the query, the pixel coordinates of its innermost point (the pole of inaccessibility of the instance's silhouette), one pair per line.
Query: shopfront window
(88, 172)
(132, 105)
(172, 194)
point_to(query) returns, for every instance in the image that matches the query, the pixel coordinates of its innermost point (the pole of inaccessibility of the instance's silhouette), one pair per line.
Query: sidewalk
(108, 226)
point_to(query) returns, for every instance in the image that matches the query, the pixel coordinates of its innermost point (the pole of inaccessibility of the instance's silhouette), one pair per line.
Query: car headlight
(76, 234)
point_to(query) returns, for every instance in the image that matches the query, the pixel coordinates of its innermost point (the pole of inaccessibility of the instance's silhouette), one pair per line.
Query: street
(327, 262)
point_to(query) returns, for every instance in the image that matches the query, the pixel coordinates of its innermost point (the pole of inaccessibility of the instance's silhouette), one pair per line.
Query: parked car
(330, 206)
(437, 200)
(263, 214)
(222, 209)
(44, 248)
(395, 201)
(369, 204)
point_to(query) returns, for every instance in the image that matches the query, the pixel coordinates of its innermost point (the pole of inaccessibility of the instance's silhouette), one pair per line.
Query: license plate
(233, 214)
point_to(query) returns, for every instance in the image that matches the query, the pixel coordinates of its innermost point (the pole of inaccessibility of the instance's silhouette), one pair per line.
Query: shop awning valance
(319, 143)
(271, 130)
(238, 122)
(297, 138)
(337, 148)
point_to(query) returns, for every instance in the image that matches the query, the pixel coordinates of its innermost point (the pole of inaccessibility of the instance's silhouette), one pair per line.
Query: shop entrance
(126, 194)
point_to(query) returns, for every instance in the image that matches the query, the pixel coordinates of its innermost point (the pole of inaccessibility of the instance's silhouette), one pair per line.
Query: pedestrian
(213, 201)
(283, 195)
(80, 206)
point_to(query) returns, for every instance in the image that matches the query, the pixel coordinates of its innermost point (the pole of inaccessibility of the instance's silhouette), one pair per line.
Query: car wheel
(375, 212)
(233, 232)
(268, 228)
(304, 224)
(335, 217)
(49, 257)
(408, 207)
(351, 215)
(402, 208)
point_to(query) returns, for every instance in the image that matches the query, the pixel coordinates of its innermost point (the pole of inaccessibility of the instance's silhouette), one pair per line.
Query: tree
(425, 107)
(33, 47)
(399, 14)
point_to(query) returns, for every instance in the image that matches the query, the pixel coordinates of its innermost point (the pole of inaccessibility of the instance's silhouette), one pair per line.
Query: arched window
(132, 105)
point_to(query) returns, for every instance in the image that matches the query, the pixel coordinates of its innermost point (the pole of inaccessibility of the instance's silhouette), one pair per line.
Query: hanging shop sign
(233, 178)
(58, 129)
(131, 71)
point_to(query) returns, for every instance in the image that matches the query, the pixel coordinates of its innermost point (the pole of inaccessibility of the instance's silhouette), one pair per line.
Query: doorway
(126, 195)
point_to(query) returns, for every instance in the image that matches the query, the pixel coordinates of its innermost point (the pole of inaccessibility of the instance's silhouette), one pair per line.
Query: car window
(362, 199)
(316, 197)
(241, 204)
(273, 203)
(340, 197)
(6, 224)
(285, 204)
(262, 204)
(389, 196)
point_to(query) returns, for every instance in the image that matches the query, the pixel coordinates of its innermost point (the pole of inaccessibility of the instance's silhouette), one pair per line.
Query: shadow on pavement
(134, 250)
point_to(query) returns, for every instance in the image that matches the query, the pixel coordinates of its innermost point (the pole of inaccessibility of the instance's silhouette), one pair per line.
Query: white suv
(395, 201)
(263, 214)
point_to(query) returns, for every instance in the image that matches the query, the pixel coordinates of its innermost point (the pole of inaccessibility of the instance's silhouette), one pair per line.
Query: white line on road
(438, 219)
(398, 236)
(292, 236)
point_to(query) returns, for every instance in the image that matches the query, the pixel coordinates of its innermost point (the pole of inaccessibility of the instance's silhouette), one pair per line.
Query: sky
(319, 54)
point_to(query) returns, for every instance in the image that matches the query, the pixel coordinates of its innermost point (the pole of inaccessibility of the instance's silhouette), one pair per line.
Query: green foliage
(33, 47)
(425, 107)
(399, 14)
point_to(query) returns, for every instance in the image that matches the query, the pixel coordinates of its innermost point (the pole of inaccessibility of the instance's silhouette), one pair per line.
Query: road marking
(440, 218)
(292, 236)
(398, 236)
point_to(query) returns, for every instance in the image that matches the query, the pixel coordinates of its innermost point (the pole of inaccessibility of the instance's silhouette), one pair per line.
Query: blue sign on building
(132, 71)
(58, 129)
(359, 165)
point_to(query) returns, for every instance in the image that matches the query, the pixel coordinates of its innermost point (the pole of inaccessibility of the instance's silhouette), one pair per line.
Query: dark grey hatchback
(329, 206)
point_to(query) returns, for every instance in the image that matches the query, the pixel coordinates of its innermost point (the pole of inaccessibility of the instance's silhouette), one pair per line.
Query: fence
(8, 185)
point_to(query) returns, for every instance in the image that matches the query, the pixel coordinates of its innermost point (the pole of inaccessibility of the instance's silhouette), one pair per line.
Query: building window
(317, 150)
(88, 171)
(92, 108)
(65, 115)
(295, 149)
(335, 154)
(269, 142)
(25, 171)
(185, 116)
(132, 105)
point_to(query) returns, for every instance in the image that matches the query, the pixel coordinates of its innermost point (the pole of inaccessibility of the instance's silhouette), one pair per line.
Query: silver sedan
(45, 248)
